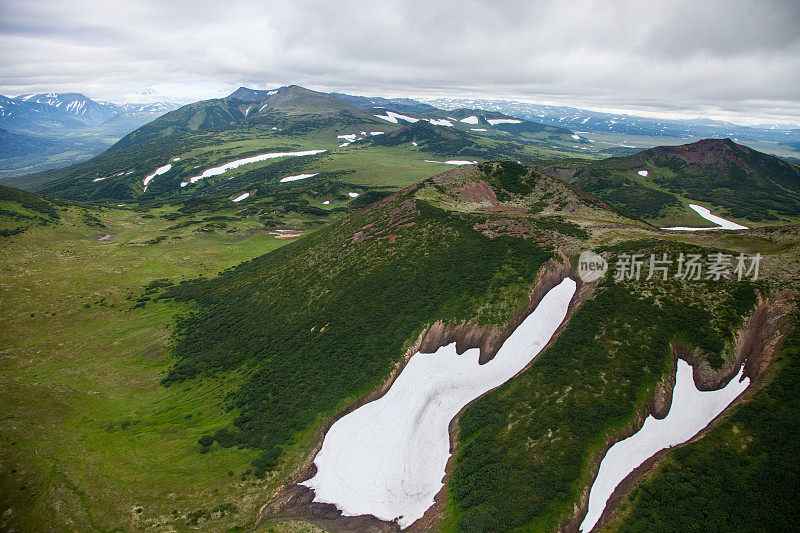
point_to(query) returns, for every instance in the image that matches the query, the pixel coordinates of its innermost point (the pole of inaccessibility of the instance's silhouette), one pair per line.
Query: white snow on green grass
(721, 223)
(643, 173)
(393, 117)
(298, 177)
(387, 458)
(453, 162)
(691, 411)
(440, 122)
(470, 120)
(215, 171)
(496, 121)
(160, 170)
(241, 197)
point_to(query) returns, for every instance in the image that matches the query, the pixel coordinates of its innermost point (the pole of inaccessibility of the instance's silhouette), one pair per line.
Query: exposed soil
(755, 345)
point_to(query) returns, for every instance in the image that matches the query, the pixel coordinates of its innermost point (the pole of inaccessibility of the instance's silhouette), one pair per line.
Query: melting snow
(722, 223)
(642, 173)
(440, 122)
(414, 143)
(452, 162)
(241, 197)
(158, 172)
(478, 129)
(470, 120)
(349, 137)
(691, 411)
(98, 179)
(215, 171)
(377, 132)
(576, 137)
(495, 121)
(391, 116)
(353, 194)
(387, 458)
(176, 158)
(326, 202)
(298, 177)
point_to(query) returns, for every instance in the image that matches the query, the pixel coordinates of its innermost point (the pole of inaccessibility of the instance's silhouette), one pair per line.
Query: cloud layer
(724, 57)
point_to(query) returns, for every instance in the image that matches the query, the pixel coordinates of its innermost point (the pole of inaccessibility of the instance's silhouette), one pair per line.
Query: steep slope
(656, 183)
(460, 247)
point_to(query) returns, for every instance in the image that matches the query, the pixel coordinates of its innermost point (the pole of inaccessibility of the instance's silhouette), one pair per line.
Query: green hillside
(740, 182)
(210, 133)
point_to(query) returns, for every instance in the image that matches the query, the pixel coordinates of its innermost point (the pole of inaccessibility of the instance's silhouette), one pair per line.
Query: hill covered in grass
(657, 183)
(326, 318)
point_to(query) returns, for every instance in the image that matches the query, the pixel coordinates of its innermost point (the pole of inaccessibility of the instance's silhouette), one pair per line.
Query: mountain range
(618, 123)
(56, 129)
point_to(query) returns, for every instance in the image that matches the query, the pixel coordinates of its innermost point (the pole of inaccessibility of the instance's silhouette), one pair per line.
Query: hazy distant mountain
(57, 129)
(583, 120)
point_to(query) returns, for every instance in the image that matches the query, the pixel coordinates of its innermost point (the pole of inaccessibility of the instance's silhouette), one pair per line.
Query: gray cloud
(722, 58)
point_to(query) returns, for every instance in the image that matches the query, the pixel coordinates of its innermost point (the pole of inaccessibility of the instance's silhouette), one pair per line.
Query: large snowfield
(691, 411)
(388, 457)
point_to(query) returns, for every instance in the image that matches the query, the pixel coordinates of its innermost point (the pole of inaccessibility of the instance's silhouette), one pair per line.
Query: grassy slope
(87, 433)
(324, 320)
(742, 475)
(735, 181)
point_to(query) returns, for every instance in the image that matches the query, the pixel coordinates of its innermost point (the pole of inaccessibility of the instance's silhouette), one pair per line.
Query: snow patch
(452, 162)
(392, 117)
(215, 171)
(241, 197)
(353, 194)
(414, 143)
(722, 223)
(440, 122)
(576, 137)
(496, 121)
(387, 458)
(98, 179)
(377, 132)
(326, 202)
(470, 120)
(158, 172)
(478, 129)
(691, 411)
(298, 177)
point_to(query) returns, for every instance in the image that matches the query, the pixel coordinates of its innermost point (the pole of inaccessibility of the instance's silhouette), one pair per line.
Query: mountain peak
(250, 95)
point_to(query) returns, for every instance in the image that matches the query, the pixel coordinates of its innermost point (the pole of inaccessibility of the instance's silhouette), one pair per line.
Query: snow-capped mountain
(584, 120)
(71, 124)
(71, 110)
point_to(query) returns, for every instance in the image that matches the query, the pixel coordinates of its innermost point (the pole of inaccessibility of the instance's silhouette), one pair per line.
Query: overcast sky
(727, 59)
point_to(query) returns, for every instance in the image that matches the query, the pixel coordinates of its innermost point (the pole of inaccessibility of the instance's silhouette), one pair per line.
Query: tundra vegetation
(171, 362)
